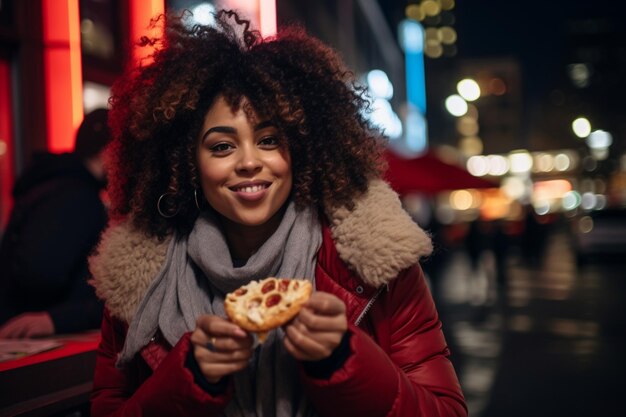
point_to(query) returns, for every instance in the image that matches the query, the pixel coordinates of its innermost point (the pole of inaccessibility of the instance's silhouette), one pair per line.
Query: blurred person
(56, 221)
(236, 158)
(500, 247)
(476, 242)
(534, 237)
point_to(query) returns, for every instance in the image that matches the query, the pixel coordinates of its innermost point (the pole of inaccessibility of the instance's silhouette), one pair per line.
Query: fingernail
(239, 332)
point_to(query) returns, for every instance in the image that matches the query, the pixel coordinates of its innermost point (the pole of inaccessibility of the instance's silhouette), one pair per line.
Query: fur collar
(377, 239)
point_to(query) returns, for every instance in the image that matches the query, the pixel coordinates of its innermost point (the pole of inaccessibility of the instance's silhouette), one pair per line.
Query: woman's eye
(221, 148)
(269, 141)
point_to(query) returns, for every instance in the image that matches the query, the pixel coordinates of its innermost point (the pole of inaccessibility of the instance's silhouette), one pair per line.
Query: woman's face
(244, 170)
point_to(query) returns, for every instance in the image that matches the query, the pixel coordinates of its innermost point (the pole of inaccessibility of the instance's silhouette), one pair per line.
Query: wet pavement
(549, 340)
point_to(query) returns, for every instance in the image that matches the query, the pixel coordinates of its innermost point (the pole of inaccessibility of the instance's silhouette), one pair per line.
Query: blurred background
(506, 126)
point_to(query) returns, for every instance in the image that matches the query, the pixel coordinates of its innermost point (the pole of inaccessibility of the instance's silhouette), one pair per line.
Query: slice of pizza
(261, 306)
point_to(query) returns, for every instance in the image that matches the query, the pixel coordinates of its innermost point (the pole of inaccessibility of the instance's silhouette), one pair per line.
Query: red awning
(428, 174)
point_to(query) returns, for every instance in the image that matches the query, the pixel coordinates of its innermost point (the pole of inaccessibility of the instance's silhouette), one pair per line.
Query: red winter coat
(398, 364)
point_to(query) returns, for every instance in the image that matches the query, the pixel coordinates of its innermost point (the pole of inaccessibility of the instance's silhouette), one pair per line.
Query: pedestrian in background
(236, 158)
(56, 221)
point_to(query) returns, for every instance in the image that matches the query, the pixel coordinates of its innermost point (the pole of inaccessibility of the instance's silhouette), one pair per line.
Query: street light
(581, 127)
(599, 142)
(468, 89)
(456, 105)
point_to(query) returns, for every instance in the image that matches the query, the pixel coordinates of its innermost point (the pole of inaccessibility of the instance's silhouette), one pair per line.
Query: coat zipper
(369, 305)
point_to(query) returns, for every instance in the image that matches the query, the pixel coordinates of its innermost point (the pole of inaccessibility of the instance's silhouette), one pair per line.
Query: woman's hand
(318, 329)
(220, 347)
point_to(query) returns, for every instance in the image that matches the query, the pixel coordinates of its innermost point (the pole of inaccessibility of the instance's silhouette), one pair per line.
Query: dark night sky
(533, 32)
(540, 37)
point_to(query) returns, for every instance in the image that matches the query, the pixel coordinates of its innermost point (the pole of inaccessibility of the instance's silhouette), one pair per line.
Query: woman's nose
(249, 159)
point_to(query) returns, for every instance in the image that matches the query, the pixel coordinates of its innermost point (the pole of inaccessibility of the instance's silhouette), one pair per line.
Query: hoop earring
(167, 216)
(195, 197)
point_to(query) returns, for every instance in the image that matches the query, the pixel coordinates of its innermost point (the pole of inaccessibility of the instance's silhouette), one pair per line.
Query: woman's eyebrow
(232, 130)
(263, 125)
(220, 129)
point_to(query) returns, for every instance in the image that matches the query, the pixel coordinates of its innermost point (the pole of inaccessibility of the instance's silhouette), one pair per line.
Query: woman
(236, 158)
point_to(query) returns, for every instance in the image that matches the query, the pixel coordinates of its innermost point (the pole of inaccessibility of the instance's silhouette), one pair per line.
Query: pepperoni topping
(283, 285)
(296, 285)
(268, 286)
(272, 300)
(240, 292)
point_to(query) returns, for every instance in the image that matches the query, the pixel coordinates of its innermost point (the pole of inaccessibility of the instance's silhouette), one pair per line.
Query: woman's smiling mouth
(251, 191)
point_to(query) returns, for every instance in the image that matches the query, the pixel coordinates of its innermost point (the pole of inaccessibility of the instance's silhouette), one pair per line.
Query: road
(548, 341)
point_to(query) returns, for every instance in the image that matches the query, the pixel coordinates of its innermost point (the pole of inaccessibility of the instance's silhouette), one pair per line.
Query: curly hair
(293, 79)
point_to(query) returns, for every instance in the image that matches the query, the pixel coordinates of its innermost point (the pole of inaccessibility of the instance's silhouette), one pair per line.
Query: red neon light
(140, 13)
(62, 73)
(267, 16)
(6, 144)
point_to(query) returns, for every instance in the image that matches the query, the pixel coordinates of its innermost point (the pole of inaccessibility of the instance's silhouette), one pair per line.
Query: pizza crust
(261, 306)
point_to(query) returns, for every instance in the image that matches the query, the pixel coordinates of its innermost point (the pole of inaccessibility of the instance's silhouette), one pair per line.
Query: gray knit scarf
(198, 272)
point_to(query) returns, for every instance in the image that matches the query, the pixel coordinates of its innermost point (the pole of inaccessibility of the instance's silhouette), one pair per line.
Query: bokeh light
(520, 162)
(581, 127)
(478, 165)
(471, 145)
(447, 35)
(456, 105)
(468, 89)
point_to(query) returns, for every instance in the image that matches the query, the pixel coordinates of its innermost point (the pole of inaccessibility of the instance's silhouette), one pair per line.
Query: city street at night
(551, 343)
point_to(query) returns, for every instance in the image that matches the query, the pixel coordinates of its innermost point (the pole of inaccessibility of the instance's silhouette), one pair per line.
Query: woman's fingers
(317, 322)
(221, 342)
(216, 326)
(296, 351)
(306, 345)
(326, 304)
(223, 356)
(215, 332)
(220, 347)
(318, 329)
